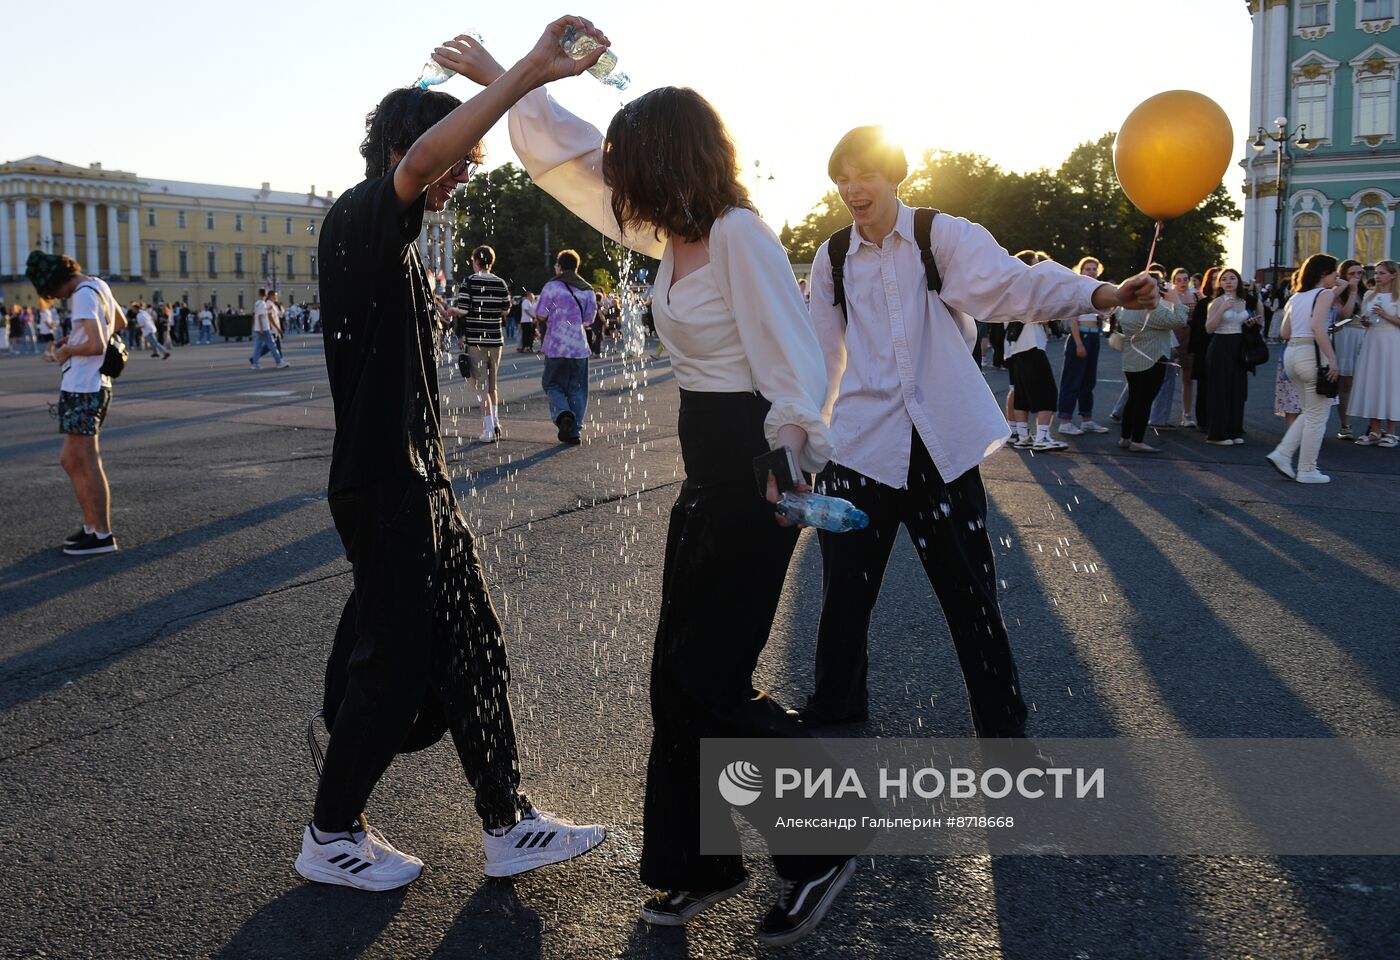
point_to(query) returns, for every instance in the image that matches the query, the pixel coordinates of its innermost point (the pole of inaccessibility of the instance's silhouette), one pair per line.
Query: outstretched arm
(453, 137)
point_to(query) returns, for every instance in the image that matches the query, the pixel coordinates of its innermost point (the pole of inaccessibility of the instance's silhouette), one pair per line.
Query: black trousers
(997, 334)
(1142, 391)
(426, 631)
(726, 560)
(1227, 387)
(948, 523)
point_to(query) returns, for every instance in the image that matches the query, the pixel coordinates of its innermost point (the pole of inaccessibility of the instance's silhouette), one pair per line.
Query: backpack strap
(837, 246)
(923, 231)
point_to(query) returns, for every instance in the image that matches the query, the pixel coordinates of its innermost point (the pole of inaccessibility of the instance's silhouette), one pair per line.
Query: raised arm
(452, 138)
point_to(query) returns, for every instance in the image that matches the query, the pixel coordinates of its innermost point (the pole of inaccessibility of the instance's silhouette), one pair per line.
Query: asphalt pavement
(154, 777)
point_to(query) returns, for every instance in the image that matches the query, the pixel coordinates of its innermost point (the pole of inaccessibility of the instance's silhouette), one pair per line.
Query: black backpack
(839, 244)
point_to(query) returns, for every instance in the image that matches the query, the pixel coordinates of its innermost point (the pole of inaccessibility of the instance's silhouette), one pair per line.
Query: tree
(504, 208)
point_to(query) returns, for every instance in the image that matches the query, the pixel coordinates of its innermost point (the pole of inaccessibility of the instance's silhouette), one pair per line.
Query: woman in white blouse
(1227, 385)
(1309, 357)
(665, 182)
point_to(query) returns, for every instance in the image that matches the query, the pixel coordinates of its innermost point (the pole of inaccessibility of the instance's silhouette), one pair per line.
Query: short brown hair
(871, 149)
(671, 165)
(399, 120)
(485, 256)
(568, 261)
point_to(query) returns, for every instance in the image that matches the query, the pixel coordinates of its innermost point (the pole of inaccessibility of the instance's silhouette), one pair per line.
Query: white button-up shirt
(903, 359)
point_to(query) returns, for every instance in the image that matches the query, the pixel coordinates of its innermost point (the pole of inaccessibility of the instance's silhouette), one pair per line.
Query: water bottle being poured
(578, 45)
(825, 513)
(435, 73)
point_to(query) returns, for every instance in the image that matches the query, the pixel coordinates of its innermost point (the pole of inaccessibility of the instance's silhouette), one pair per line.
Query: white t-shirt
(1033, 337)
(91, 301)
(46, 320)
(206, 319)
(260, 321)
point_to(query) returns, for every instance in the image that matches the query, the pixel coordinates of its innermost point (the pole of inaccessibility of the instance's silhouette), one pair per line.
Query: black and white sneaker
(366, 862)
(74, 537)
(676, 908)
(566, 423)
(89, 544)
(538, 840)
(802, 904)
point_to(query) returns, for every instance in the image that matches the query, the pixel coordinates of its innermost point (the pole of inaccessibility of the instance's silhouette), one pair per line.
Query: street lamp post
(1281, 138)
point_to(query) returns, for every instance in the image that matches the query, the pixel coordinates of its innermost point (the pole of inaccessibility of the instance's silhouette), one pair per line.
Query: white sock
(489, 423)
(88, 529)
(101, 535)
(1022, 429)
(1042, 432)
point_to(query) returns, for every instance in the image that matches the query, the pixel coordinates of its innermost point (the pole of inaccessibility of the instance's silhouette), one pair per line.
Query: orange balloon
(1172, 152)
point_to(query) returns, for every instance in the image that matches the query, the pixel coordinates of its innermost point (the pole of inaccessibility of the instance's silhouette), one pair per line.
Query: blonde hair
(1087, 260)
(1393, 269)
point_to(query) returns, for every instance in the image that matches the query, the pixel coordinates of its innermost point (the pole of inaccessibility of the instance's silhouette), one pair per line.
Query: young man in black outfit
(425, 635)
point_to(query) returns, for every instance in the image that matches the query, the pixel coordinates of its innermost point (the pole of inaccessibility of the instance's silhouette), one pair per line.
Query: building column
(21, 235)
(70, 231)
(133, 232)
(114, 244)
(46, 225)
(6, 268)
(93, 265)
(1276, 66)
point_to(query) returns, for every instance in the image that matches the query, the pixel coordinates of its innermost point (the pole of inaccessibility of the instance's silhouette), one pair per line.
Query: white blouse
(737, 324)
(1232, 320)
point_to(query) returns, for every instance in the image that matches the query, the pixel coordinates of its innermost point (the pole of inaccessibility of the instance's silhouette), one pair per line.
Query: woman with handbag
(1377, 391)
(1226, 383)
(1312, 366)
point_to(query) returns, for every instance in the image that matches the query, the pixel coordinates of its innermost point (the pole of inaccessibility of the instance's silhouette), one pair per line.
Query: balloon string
(1152, 251)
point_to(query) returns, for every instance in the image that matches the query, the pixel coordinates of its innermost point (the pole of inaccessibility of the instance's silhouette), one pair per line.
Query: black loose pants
(425, 630)
(726, 560)
(948, 523)
(1143, 386)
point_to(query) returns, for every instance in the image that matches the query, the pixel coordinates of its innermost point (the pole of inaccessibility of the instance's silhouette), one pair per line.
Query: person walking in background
(1198, 345)
(1033, 391)
(146, 320)
(263, 342)
(1226, 379)
(85, 393)
(48, 324)
(206, 324)
(479, 310)
(527, 323)
(1081, 367)
(1348, 337)
(1376, 394)
(1146, 352)
(1309, 356)
(568, 306)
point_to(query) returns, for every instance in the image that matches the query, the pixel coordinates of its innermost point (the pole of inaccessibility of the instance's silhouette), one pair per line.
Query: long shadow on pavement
(313, 921)
(495, 923)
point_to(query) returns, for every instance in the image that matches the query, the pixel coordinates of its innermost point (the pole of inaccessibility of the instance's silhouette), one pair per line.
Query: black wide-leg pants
(726, 560)
(426, 638)
(948, 523)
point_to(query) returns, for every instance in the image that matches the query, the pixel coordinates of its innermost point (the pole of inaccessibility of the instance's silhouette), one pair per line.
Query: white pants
(1305, 436)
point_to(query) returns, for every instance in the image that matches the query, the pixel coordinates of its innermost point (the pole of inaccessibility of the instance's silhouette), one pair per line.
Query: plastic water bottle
(578, 45)
(825, 513)
(435, 73)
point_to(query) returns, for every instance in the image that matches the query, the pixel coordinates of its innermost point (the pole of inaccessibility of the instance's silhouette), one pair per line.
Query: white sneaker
(1049, 445)
(1089, 426)
(538, 840)
(1068, 429)
(1313, 476)
(487, 436)
(1281, 464)
(371, 863)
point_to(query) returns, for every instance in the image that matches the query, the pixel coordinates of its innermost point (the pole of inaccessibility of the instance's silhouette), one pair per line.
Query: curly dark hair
(401, 118)
(671, 165)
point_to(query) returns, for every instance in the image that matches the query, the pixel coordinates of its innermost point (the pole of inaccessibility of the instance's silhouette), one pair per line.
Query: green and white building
(1332, 67)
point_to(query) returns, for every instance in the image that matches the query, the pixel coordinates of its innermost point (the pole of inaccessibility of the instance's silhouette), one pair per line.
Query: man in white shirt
(206, 325)
(146, 320)
(263, 314)
(911, 419)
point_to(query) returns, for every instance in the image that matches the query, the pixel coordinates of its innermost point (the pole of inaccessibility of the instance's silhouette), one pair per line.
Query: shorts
(486, 360)
(81, 414)
(1033, 381)
(45, 338)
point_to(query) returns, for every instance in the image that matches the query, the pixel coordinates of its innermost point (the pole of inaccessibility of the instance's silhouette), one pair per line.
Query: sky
(242, 93)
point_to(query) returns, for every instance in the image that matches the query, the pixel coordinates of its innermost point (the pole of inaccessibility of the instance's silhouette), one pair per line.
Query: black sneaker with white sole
(74, 537)
(91, 543)
(566, 424)
(802, 904)
(676, 908)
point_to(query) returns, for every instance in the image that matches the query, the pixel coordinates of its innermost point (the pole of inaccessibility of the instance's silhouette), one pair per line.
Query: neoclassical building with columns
(172, 241)
(1333, 66)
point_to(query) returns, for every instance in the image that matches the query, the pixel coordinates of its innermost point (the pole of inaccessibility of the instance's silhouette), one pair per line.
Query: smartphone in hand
(781, 465)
